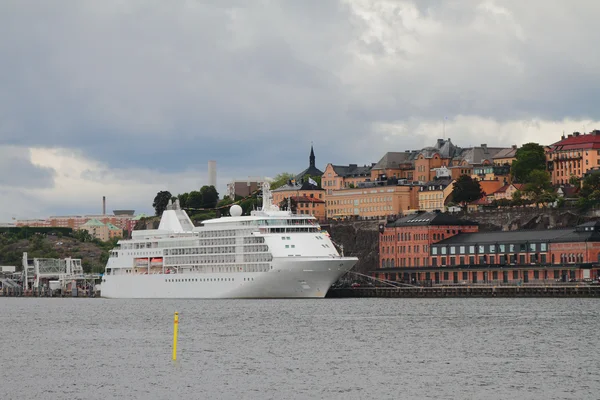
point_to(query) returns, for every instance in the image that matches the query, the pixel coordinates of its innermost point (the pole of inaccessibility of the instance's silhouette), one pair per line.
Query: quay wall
(468, 291)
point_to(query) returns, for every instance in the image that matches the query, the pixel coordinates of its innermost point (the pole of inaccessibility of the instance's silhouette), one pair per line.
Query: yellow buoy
(175, 332)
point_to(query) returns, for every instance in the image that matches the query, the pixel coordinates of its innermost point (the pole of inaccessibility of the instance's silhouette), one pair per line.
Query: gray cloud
(17, 170)
(168, 86)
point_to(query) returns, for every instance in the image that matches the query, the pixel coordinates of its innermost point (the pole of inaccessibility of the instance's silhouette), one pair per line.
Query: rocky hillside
(92, 254)
(360, 239)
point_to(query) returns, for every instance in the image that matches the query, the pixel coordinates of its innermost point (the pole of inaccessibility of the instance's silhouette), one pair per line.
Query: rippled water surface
(300, 349)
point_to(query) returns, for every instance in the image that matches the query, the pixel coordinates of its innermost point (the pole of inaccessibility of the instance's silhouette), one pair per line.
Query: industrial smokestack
(212, 173)
(103, 205)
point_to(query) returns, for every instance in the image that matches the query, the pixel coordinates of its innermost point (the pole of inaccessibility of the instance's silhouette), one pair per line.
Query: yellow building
(340, 176)
(372, 201)
(434, 194)
(506, 156)
(507, 191)
(573, 156)
(101, 231)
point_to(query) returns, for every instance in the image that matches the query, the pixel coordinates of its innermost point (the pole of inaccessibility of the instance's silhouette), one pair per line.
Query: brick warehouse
(442, 249)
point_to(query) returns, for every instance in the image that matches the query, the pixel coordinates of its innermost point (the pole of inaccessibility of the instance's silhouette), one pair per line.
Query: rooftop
(430, 218)
(579, 234)
(577, 140)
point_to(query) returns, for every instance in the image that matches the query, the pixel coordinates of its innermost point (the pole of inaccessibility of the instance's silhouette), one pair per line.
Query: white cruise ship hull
(297, 277)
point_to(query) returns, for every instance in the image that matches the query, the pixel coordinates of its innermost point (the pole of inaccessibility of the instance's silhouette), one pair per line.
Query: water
(300, 349)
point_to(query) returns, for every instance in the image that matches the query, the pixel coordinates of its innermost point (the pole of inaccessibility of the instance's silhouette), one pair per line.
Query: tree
(539, 187)
(466, 190)
(160, 202)
(280, 180)
(574, 180)
(283, 204)
(210, 196)
(183, 199)
(530, 157)
(589, 194)
(194, 200)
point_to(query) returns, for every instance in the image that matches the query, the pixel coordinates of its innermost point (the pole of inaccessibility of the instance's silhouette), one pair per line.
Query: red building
(512, 257)
(406, 242)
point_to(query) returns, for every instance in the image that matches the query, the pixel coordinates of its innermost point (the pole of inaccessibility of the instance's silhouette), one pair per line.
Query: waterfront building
(341, 176)
(573, 156)
(466, 256)
(373, 200)
(406, 241)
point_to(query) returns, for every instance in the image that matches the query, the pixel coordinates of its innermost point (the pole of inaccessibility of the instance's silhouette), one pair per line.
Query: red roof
(572, 142)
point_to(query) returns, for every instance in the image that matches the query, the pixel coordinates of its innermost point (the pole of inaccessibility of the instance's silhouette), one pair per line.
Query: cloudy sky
(125, 98)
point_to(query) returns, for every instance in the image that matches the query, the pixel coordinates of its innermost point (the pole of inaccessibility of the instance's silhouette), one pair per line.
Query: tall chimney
(103, 205)
(212, 173)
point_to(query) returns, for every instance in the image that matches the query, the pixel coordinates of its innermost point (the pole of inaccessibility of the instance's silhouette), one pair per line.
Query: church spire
(311, 159)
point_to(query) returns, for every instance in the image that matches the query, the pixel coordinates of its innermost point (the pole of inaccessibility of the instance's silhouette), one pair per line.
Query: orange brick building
(511, 257)
(407, 241)
(573, 155)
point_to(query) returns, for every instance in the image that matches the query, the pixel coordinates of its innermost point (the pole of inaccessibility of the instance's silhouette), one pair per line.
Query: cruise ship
(268, 254)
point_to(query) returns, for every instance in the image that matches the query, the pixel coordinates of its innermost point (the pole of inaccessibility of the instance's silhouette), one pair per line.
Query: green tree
(539, 187)
(210, 196)
(466, 190)
(529, 157)
(194, 200)
(224, 202)
(160, 202)
(574, 180)
(283, 204)
(589, 195)
(183, 198)
(280, 180)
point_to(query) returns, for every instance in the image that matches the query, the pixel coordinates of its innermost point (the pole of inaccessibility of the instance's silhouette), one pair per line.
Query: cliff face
(511, 219)
(360, 239)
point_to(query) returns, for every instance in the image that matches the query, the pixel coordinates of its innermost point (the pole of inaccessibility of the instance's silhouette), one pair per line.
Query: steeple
(311, 159)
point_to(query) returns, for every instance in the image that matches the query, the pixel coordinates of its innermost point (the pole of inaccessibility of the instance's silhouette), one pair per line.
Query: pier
(49, 277)
(468, 291)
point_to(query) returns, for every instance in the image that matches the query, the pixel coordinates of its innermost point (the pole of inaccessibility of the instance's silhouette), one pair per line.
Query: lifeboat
(157, 260)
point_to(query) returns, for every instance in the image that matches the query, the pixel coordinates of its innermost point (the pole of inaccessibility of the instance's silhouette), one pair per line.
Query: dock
(49, 277)
(468, 291)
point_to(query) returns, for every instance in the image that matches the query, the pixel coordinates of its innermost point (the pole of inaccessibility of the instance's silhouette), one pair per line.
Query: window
(452, 249)
(511, 248)
(543, 247)
(471, 249)
(502, 248)
(531, 246)
(481, 249)
(443, 250)
(462, 249)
